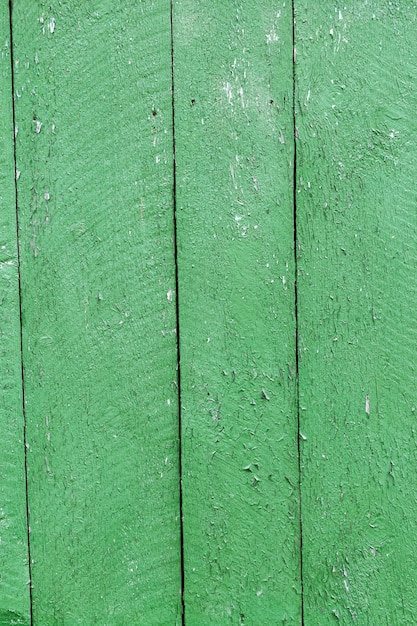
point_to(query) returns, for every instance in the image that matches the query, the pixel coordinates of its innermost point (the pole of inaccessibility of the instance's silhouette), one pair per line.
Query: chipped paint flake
(227, 88)
(272, 36)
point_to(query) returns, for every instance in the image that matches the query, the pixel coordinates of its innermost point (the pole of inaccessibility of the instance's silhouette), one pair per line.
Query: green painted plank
(14, 574)
(94, 150)
(357, 224)
(234, 181)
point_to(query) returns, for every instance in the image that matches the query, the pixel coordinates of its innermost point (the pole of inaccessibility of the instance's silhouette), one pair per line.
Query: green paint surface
(94, 150)
(94, 145)
(234, 181)
(356, 206)
(14, 575)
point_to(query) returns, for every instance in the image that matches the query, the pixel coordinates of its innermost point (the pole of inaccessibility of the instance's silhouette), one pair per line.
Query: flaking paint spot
(271, 36)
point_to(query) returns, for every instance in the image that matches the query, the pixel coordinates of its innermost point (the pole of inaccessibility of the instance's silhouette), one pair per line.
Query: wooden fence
(208, 312)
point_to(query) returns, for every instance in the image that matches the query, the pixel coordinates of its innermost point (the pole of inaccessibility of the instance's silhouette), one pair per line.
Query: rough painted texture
(94, 150)
(234, 157)
(14, 575)
(356, 206)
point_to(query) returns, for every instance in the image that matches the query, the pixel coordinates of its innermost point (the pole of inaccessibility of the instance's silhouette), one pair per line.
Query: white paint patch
(232, 174)
(52, 25)
(170, 293)
(38, 127)
(272, 36)
(240, 92)
(367, 405)
(241, 226)
(227, 87)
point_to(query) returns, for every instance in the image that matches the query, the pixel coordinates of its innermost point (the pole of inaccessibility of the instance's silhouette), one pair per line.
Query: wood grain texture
(94, 149)
(14, 573)
(357, 286)
(234, 164)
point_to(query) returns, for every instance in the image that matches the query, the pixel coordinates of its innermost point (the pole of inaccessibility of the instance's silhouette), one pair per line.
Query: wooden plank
(356, 76)
(94, 148)
(234, 164)
(14, 573)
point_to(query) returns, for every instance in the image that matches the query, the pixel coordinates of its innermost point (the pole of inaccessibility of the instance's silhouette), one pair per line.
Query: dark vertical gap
(297, 338)
(174, 191)
(20, 312)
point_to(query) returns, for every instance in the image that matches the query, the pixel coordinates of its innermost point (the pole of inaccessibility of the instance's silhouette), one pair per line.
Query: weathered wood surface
(234, 182)
(356, 205)
(94, 141)
(94, 150)
(14, 574)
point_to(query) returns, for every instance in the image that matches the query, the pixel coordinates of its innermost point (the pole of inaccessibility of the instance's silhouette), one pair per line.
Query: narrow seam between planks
(20, 312)
(174, 195)
(297, 339)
